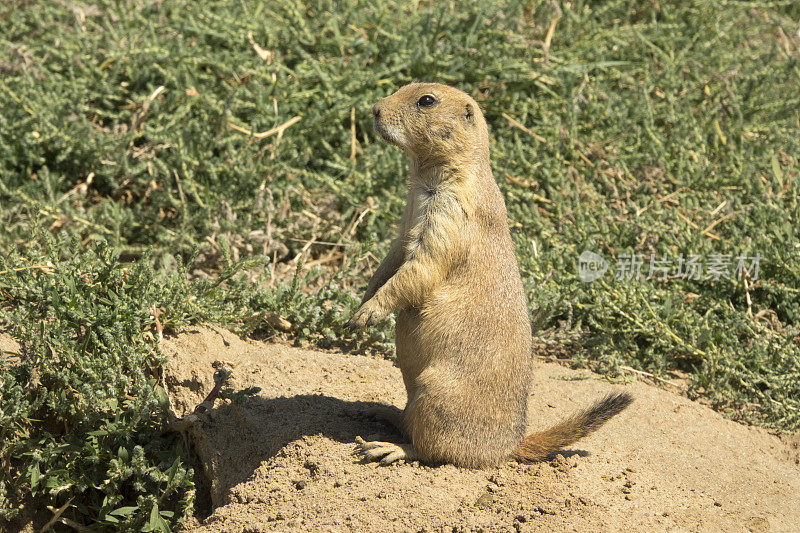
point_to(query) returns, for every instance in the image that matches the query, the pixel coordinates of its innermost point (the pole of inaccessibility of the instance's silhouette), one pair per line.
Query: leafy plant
(82, 411)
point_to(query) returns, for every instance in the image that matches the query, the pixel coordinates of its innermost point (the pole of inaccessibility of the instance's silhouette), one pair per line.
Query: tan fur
(463, 334)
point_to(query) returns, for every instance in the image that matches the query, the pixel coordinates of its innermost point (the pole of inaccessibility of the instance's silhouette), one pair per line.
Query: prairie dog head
(432, 123)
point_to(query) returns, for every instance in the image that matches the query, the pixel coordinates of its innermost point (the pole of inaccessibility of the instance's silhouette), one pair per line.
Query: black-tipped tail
(538, 446)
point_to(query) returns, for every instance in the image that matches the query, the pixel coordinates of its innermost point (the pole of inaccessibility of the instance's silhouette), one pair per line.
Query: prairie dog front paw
(367, 315)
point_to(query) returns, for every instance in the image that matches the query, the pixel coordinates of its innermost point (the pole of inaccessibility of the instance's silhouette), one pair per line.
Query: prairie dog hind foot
(385, 453)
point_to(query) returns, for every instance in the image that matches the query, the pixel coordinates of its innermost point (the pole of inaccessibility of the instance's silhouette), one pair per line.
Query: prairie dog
(463, 334)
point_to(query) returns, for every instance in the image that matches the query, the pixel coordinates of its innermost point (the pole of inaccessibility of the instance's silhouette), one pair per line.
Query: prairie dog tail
(538, 446)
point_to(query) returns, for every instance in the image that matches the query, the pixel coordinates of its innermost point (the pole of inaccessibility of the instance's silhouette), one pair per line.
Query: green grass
(663, 128)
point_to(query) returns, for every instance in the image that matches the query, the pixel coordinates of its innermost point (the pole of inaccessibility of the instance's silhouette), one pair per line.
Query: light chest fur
(435, 221)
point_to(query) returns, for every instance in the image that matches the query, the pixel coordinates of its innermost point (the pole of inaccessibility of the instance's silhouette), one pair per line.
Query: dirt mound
(283, 460)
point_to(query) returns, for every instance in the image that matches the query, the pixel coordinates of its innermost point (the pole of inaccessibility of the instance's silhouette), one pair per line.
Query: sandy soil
(283, 460)
(8, 347)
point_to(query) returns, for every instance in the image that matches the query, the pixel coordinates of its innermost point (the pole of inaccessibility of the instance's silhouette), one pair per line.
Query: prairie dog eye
(426, 101)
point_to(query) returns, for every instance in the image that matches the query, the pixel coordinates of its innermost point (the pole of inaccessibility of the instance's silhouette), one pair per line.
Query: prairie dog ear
(470, 113)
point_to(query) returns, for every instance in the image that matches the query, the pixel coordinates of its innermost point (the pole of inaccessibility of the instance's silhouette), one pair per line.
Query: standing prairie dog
(463, 333)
